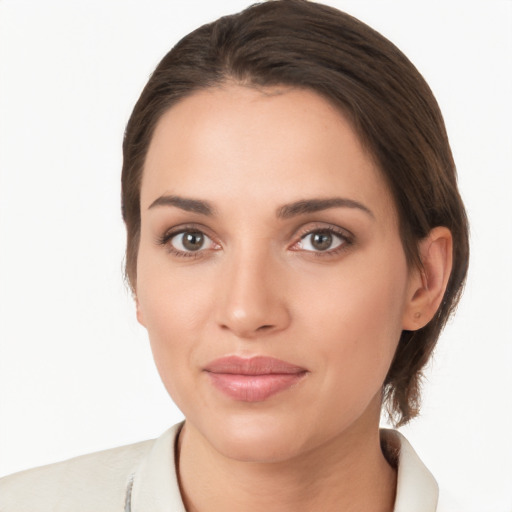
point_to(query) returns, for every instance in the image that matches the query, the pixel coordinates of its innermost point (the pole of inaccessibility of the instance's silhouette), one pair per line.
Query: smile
(253, 379)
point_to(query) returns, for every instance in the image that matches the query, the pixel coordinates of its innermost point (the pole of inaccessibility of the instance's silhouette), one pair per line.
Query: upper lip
(256, 365)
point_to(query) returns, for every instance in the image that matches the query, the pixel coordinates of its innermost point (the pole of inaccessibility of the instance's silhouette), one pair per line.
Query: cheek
(355, 318)
(171, 298)
(173, 306)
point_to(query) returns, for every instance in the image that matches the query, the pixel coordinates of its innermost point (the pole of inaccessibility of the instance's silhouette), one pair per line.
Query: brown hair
(304, 44)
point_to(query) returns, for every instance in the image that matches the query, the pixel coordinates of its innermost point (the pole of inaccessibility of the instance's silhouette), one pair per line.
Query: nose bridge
(252, 301)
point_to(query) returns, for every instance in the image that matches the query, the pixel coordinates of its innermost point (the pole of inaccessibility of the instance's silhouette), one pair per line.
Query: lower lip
(254, 388)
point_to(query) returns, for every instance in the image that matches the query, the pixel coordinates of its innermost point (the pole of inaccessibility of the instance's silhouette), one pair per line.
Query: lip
(253, 379)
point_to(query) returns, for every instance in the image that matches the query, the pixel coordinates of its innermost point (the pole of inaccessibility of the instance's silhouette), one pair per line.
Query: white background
(76, 373)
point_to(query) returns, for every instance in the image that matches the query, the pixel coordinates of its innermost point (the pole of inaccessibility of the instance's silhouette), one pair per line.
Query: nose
(252, 299)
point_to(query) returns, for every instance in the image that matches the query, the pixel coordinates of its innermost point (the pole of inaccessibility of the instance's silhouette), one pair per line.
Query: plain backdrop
(76, 372)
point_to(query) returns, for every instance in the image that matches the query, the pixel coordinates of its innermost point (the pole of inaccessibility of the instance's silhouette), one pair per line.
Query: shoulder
(89, 483)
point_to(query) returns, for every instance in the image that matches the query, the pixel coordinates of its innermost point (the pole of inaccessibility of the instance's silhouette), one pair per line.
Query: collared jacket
(142, 478)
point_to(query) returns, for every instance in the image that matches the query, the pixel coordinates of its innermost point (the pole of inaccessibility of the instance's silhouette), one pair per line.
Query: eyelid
(342, 233)
(170, 233)
(182, 228)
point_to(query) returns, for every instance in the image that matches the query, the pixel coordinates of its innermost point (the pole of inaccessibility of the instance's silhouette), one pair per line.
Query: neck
(347, 473)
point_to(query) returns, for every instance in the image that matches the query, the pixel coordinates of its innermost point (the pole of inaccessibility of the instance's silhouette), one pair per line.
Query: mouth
(253, 379)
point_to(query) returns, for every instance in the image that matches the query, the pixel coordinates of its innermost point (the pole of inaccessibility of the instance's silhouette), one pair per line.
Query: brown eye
(193, 241)
(190, 241)
(321, 241)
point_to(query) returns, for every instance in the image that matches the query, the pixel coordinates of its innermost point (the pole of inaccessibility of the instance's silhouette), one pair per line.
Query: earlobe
(140, 316)
(428, 284)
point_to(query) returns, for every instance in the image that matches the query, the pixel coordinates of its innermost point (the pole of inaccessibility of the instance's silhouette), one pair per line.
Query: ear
(428, 284)
(140, 316)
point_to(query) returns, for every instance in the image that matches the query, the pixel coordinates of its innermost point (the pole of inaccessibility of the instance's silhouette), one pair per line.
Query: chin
(256, 437)
(263, 449)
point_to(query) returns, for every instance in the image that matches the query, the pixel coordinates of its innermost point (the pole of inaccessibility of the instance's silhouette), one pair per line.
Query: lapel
(154, 485)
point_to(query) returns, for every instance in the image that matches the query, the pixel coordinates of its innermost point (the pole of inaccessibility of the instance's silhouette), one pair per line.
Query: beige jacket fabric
(142, 478)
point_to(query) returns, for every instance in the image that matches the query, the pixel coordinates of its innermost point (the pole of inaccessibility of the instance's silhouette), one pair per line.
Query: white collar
(416, 488)
(154, 486)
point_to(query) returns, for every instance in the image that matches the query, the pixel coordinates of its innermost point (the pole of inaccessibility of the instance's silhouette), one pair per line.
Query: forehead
(280, 143)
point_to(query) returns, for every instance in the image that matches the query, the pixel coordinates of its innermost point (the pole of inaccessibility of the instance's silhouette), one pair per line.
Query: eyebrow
(184, 203)
(315, 205)
(302, 207)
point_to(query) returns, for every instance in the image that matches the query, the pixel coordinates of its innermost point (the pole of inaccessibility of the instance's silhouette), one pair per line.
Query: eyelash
(347, 240)
(166, 238)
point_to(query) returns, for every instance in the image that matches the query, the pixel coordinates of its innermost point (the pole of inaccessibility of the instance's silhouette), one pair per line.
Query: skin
(258, 286)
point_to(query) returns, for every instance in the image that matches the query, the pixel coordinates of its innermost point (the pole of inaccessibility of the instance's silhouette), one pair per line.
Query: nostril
(264, 328)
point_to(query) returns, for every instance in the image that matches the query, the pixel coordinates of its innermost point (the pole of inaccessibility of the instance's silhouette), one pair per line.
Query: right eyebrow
(305, 206)
(184, 203)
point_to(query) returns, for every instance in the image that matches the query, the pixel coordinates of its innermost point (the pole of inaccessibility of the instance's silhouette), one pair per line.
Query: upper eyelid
(183, 228)
(320, 226)
(344, 234)
(165, 241)
(330, 231)
(171, 236)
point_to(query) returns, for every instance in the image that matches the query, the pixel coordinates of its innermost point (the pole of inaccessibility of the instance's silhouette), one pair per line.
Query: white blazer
(142, 478)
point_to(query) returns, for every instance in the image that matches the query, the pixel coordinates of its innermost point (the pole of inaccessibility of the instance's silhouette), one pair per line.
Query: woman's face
(271, 277)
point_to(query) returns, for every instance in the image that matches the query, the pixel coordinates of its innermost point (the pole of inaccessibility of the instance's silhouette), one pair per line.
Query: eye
(321, 241)
(190, 241)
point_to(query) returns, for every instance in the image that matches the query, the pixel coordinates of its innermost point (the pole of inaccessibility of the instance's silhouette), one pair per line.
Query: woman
(296, 242)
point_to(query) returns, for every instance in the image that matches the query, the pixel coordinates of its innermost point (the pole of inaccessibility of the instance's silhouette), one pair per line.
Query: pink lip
(253, 379)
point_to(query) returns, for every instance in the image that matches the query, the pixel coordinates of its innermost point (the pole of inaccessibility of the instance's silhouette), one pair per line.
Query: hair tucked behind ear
(309, 45)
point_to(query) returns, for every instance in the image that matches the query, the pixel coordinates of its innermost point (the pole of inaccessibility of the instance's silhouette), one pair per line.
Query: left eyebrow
(184, 203)
(315, 205)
